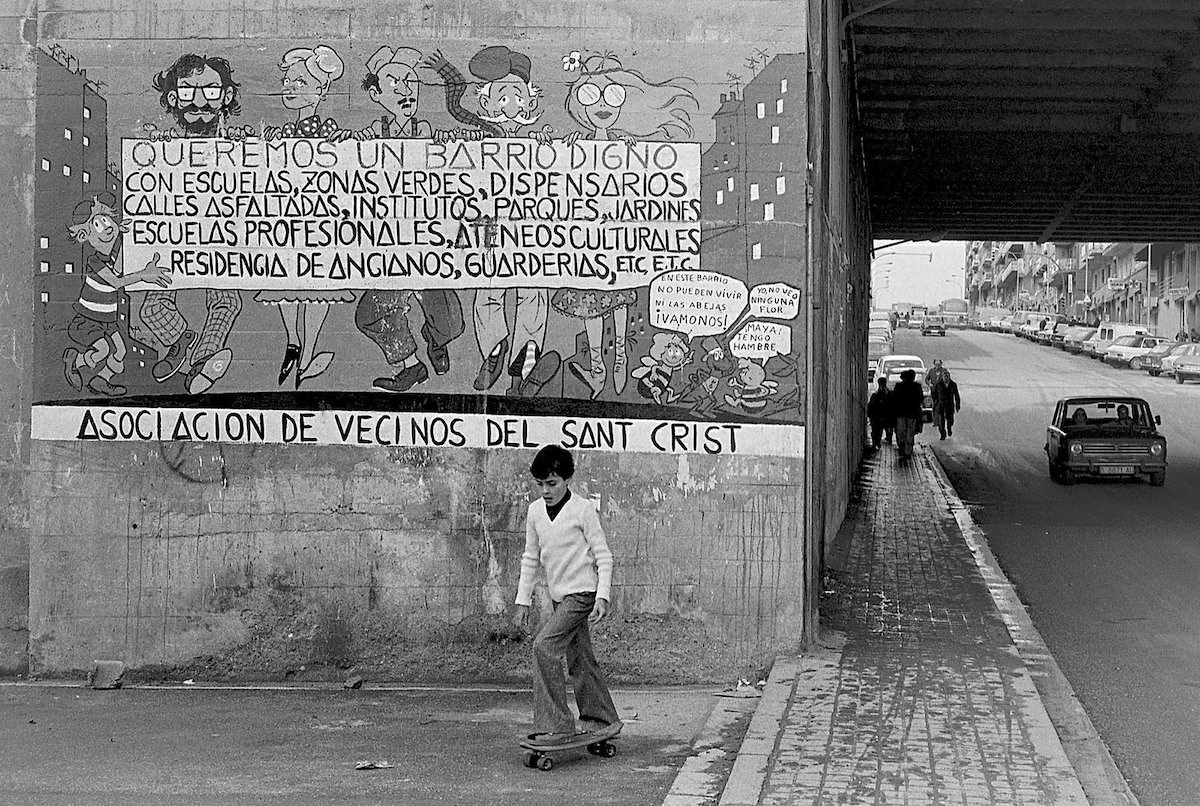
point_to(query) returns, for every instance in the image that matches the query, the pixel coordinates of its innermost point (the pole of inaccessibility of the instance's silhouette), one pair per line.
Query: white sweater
(571, 548)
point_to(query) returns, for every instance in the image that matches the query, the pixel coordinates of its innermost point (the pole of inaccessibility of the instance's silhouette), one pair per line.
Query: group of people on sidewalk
(900, 411)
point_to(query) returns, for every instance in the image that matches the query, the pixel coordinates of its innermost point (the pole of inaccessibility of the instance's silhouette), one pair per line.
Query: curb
(1101, 781)
(749, 773)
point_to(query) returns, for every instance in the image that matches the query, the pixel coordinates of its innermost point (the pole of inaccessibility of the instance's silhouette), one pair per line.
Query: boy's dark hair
(552, 459)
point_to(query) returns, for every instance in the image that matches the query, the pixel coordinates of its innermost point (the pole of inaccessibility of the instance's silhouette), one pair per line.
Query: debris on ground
(744, 688)
(355, 682)
(373, 765)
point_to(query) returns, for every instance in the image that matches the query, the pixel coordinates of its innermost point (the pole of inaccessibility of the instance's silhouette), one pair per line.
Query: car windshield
(1128, 341)
(1106, 413)
(1165, 348)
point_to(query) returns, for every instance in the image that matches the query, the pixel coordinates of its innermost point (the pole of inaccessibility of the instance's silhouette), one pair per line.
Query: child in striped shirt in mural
(94, 326)
(563, 536)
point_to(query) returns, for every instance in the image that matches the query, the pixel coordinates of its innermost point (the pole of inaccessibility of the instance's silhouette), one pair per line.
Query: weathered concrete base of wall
(268, 562)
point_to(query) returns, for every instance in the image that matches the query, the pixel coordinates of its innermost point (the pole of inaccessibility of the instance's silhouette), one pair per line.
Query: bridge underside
(1029, 120)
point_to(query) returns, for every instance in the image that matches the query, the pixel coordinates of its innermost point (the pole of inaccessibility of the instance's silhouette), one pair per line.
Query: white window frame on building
(69, 267)
(720, 197)
(769, 211)
(753, 191)
(774, 134)
(780, 185)
(756, 252)
(761, 110)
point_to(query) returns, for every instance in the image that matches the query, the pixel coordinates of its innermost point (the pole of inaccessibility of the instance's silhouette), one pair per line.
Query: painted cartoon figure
(392, 82)
(612, 102)
(382, 314)
(751, 389)
(508, 102)
(668, 354)
(716, 365)
(307, 76)
(94, 326)
(200, 93)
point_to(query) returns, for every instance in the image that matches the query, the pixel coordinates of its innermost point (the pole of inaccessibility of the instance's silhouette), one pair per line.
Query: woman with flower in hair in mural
(307, 75)
(612, 102)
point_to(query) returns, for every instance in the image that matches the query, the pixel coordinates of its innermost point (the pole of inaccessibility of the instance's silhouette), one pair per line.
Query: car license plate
(1116, 470)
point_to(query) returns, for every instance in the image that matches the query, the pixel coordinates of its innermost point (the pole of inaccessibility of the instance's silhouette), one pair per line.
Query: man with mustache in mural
(508, 102)
(382, 313)
(200, 93)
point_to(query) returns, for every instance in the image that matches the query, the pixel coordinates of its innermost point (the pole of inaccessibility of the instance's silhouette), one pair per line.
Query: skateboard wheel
(530, 759)
(545, 763)
(602, 749)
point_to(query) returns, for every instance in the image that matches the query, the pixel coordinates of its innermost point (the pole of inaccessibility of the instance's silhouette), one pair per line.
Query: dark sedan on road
(933, 326)
(1073, 341)
(1105, 436)
(1187, 368)
(1156, 361)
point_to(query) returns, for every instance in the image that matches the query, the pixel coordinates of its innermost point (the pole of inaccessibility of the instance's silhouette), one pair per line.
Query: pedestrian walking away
(907, 405)
(936, 373)
(946, 403)
(879, 414)
(563, 536)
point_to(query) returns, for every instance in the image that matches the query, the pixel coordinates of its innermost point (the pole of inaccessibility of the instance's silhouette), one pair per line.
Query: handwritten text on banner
(311, 214)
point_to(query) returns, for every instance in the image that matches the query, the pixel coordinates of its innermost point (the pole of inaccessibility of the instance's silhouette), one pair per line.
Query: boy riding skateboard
(563, 535)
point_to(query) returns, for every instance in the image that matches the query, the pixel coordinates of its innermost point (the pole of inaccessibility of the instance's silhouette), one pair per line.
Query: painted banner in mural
(292, 247)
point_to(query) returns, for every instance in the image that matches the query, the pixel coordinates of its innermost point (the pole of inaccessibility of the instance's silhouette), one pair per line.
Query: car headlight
(1156, 449)
(1075, 448)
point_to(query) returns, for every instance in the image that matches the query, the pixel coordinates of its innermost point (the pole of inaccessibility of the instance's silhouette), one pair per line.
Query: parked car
(1187, 368)
(1108, 332)
(876, 349)
(933, 326)
(1128, 351)
(890, 367)
(1059, 333)
(1152, 361)
(1004, 325)
(1178, 351)
(1018, 320)
(1105, 436)
(1033, 326)
(1089, 345)
(1074, 340)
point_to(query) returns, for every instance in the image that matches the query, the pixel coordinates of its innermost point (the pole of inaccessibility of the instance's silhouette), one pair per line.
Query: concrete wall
(16, 313)
(294, 562)
(280, 561)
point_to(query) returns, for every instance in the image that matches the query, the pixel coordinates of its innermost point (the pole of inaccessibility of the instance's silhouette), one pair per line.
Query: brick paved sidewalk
(927, 701)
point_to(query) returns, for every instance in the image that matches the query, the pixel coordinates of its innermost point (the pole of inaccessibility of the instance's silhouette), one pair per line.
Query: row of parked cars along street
(1120, 344)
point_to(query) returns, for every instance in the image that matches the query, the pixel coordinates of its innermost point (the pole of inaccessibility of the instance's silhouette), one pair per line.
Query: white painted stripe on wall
(413, 429)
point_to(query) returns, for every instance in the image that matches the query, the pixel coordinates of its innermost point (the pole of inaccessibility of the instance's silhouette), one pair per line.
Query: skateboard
(597, 743)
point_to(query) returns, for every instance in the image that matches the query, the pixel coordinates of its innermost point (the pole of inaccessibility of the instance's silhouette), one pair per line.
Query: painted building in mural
(306, 303)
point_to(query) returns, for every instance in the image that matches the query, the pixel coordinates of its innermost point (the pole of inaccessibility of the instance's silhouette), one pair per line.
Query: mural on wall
(396, 244)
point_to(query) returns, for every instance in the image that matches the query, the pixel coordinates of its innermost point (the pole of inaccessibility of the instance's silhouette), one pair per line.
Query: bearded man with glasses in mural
(200, 93)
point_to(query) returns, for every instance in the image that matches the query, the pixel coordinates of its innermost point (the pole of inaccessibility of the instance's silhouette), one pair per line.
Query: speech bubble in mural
(775, 301)
(696, 303)
(762, 340)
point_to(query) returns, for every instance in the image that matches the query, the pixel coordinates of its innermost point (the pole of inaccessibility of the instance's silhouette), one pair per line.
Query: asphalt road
(70, 746)
(1110, 570)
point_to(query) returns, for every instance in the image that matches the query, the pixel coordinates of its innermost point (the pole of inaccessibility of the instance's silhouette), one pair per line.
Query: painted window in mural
(413, 246)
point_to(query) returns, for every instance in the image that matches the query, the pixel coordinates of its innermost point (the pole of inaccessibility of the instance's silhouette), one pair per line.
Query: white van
(1110, 331)
(1020, 318)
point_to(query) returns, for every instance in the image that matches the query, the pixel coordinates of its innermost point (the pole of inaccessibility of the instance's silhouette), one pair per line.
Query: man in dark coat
(879, 414)
(945, 403)
(908, 400)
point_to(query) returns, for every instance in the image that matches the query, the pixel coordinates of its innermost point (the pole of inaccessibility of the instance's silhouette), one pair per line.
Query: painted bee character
(668, 354)
(751, 389)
